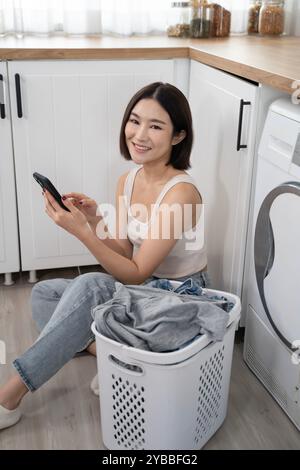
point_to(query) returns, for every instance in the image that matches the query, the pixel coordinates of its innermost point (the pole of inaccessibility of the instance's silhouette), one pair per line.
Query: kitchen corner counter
(270, 61)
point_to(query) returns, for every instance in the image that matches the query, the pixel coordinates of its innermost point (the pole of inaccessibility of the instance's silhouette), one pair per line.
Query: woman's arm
(122, 268)
(116, 242)
(152, 251)
(92, 211)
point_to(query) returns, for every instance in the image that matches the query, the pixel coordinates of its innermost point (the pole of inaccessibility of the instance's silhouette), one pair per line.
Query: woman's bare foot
(92, 349)
(12, 392)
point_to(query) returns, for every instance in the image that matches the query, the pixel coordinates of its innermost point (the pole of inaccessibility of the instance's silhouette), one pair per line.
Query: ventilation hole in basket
(129, 413)
(209, 396)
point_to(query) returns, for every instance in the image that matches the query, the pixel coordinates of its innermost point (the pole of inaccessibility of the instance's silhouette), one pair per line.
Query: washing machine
(272, 334)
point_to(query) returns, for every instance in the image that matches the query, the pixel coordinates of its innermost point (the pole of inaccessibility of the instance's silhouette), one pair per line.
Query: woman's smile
(140, 148)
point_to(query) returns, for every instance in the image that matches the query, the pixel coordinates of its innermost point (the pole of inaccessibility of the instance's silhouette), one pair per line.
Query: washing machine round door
(277, 261)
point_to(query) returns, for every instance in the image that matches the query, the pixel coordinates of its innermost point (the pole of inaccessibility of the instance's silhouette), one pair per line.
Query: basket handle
(133, 369)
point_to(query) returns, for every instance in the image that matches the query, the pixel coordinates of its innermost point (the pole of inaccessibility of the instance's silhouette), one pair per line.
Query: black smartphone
(45, 183)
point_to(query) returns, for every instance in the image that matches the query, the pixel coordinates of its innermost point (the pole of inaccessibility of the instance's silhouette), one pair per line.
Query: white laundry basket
(173, 400)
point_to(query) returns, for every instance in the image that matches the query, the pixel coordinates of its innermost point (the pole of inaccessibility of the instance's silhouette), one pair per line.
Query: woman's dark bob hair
(175, 103)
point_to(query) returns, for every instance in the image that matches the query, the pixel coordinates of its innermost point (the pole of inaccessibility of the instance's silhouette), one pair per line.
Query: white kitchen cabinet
(222, 172)
(66, 123)
(9, 244)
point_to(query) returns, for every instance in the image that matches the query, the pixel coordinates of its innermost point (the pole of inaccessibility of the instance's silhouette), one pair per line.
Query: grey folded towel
(157, 320)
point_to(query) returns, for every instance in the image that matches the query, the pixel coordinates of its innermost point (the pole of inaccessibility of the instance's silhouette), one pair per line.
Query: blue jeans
(61, 309)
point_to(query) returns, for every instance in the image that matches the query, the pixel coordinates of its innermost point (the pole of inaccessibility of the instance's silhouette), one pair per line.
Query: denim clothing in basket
(61, 309)
(191, 286)
(157, 320)
(199, 279)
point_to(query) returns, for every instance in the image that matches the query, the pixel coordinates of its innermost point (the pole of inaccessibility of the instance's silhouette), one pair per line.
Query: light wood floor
(64, 414)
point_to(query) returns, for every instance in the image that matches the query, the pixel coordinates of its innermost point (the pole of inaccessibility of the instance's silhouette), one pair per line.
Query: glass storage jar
(239, 17)
(271, 17)
(253, 16)
(221, 21)
(202, 19)
(179, 20)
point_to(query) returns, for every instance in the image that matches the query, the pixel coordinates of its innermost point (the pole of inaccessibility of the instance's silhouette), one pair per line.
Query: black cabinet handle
(239, 146)
(18, 95)
(2, 105)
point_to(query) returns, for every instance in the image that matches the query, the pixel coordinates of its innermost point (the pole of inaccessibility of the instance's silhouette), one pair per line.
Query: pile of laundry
(158, 317)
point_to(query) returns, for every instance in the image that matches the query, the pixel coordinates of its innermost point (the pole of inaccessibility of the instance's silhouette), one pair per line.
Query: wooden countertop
(271, 61)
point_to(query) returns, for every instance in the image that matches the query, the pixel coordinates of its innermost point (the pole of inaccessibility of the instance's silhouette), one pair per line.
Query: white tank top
(188, 256)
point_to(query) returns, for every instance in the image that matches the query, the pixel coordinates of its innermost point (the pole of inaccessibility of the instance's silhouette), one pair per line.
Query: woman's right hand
(86, 205)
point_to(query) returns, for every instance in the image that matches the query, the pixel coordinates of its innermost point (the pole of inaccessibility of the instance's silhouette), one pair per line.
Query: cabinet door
(9, 245)
(68, 130)
(222, 172)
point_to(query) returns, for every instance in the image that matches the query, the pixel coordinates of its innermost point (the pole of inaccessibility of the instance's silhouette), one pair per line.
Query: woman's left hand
(74, 222)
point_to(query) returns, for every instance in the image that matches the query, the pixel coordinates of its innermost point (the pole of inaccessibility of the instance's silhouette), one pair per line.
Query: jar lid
(180, 4)
(274, 2)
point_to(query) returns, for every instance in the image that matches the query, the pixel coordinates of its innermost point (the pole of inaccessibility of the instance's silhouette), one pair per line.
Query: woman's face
(148, 132)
